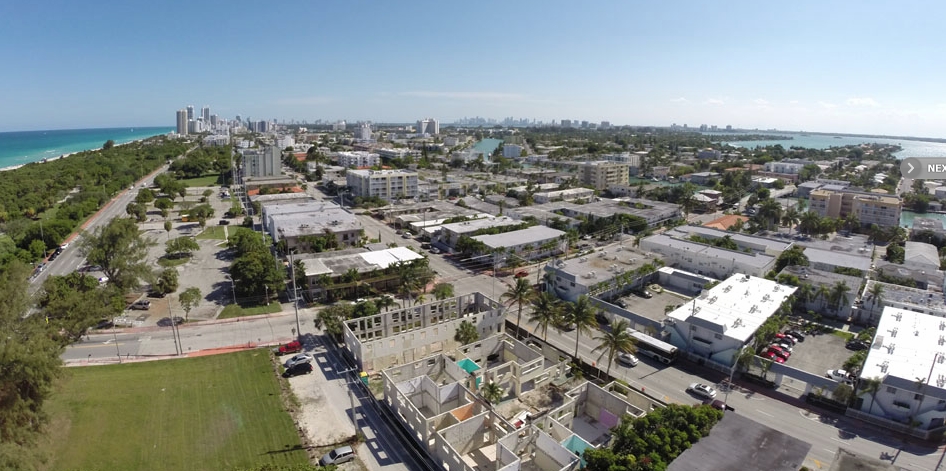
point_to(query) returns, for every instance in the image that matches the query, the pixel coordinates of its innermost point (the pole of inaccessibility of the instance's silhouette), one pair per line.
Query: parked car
(406, 235)
(296, 370)
(786, 337)
(797, 334)
(778, 351)
(857, 345)
(620, 303)
(292, 347)
(840, 376)
(717, 404)
(785, 346)
(773, 356)
(627, 359)
(142, 305)
(223, 222)
(339, 455)
(643, 293)
(602, 319)
(703, 390)
(298, 359)
(435, 251)
(522, 274)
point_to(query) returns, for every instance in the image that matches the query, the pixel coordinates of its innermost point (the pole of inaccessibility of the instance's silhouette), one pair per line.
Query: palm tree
(614, 341)
(808, 222)
(581, 314)
(466, 333)
(870, 386)
(790, 218)
(877, 296)
(492, 392)
(824, 293)
(385, 302)
(519, 293)
(839, 295)
(546, 311)
(805, 293)
(770, 210)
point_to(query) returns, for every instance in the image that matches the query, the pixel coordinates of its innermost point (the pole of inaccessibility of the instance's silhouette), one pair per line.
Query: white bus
(654, 348)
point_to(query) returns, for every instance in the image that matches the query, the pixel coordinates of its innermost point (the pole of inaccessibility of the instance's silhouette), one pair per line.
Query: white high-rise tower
(182, 122)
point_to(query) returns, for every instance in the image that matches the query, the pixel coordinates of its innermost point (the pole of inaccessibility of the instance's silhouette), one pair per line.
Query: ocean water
(823, 141)
(23, 147)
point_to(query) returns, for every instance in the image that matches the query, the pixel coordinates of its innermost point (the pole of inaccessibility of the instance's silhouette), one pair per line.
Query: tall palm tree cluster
(581, 315)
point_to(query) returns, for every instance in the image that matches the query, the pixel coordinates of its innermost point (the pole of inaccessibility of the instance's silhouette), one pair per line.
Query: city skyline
(845, 67)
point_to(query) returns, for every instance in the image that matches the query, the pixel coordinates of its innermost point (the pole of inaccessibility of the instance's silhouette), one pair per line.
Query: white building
(262, 162)
(570, 194)
(907, 357)
(705, 259)
(512, 151)
(721, 321)
(358, 158)
(428, 126)
(388, 185)
(450, 234)
(285, 141)
(217, 140)
(788, 167)
(611, 270)
(363, 132)
(529, 243)
(397, 153)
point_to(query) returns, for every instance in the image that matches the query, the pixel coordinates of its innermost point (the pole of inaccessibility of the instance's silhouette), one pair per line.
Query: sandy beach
(63, 156)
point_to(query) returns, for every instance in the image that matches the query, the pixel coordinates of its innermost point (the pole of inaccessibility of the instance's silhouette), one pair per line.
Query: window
(891, 390)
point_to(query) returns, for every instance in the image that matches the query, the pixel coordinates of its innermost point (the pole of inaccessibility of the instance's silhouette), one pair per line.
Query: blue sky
(869, 67)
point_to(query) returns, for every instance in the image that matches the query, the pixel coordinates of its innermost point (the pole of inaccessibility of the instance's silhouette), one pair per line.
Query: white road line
(764, 413)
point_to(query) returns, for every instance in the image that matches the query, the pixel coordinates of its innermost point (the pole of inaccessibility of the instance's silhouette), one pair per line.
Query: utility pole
(295, 294)
(178, 349)
(117, 351)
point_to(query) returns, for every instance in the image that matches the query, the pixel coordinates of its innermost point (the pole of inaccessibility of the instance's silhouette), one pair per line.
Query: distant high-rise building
(605, 125)
(213, 120)
(428, 126)
(263, 162)
(566, 123)
(363, 132)
(205, 113)
(190, 112)
(729, 127)
(182, 122)
(239, 119)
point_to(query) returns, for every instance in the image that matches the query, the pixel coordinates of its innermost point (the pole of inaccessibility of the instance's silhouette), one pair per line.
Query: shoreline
(63, 156)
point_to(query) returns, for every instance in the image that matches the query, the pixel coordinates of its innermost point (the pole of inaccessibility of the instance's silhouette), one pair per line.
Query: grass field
(206, 180)
(212, 232)
(217, 412)
(248, 310)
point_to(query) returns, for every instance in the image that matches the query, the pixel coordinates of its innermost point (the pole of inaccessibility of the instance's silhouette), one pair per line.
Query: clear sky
(864, 66)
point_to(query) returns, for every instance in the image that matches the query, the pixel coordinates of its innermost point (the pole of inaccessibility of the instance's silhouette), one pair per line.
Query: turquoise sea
(23, 147)
(824, 141)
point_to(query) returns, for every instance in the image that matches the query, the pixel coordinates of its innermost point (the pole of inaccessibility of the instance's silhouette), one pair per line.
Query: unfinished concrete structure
(404, 335)
(436, 398)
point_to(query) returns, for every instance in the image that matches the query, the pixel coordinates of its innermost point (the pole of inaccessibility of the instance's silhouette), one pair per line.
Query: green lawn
(217, 412)
(212, 232)
(273, 307)
(206, 180)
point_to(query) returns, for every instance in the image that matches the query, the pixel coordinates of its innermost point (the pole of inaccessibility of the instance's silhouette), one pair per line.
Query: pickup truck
(291, 347)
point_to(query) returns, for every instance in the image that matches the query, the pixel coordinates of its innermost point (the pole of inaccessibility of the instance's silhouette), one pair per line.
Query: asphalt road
(70, 260)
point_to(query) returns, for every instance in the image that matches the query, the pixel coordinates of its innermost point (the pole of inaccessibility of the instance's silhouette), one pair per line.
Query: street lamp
(295, 294)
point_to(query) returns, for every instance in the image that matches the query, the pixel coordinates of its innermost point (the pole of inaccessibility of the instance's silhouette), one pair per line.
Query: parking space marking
(764, 413)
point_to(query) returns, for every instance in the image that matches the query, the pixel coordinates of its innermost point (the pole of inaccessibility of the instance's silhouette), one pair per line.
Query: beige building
(869, 208)
(388, 185)
(602, 174)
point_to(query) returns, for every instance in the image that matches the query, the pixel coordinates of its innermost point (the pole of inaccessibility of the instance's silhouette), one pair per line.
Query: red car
(291, 347)
(522, 274)
(779, 351)
(772, 356)
(786, 337)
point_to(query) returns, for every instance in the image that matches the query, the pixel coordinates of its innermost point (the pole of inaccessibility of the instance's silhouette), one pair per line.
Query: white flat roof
(375, 260)
(529, 235)
(477, 224)
(736, 307)
(907, 349)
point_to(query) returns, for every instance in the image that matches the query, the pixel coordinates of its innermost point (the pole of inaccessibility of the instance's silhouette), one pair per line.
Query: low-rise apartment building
(602, 174)
(870, 208)
(358, 159)
(329, 275)
(570, 194)
(298, 224)
(450, 234)
(708, 260)
(529, 243)
(907, 358)
(388, 185)
(722, 320)
(610, 271)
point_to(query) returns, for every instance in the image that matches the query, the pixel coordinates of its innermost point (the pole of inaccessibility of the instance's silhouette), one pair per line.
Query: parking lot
(653, 308)
(819, 353)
